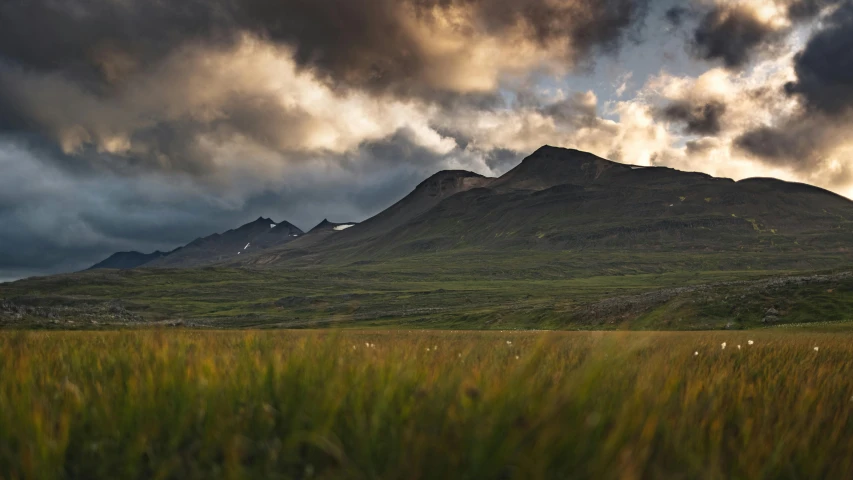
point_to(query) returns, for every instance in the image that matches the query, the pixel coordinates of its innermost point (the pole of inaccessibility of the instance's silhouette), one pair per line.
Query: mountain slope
(425, 196)
(258, 235)
(564, 240)
(127, 260)
(326, 225)
(555, 200)
(551, 166)
(281, 233)
(217, 247)
(560, 199)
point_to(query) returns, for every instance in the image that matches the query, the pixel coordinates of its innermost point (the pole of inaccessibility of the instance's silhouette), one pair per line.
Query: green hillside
(565, 240)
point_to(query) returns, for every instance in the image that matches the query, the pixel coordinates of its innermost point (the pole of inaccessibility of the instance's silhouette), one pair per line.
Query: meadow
(553, 292)
(371, 404)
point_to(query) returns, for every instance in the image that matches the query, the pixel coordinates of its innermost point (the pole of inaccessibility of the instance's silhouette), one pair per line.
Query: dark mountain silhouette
(326, 225)
(424, 197)
(561, 199)
(260, 234)
(549, 167)
(218, 247)
(282, 233)
(554, 200)
(127, 260)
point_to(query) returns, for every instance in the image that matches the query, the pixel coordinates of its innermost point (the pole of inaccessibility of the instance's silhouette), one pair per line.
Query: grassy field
(426, 404)
(425, 295)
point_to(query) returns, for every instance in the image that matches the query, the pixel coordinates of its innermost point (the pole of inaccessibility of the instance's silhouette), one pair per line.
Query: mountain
(225, 246)
(128, 260)
(326, 225)
(566, 200)
(425, 196)
(260, 234)
(281, 233)
(563, 240)
(555, 200)
(550, 166)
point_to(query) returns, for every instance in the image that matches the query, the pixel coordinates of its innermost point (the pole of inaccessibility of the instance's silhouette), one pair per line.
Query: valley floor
(477, 290)
(184, 404)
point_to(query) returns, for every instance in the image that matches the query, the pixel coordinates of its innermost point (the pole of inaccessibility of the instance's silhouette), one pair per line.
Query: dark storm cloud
(102, 40)
(802, 142)
(364, 43)
(93, 76)
(702, 118)
(676, 15)
(731, 34)
(353, 42)
(702, 145)
(734, 33)
(824, 84)
(579, 110)
(825, 66)
(502, 159)
(778, 145)
(400, 147)
(807, 9)
(69, 220)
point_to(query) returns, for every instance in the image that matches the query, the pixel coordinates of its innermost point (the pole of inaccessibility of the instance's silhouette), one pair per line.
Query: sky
(140, 125)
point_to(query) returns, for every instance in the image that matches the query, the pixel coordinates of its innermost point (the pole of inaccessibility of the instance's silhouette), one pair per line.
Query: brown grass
(188, 404)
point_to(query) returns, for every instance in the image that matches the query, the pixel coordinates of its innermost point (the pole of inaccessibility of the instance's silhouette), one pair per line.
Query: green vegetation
(474, 290)
(371, 404)
(565, 240)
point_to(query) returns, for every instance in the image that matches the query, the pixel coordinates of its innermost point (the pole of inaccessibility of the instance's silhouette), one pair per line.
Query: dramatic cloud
(56, 219)
(450, 45)
(180, 87)
(135, 124)
(813, 138)
(734, 32)
(411, 46)
(699, 119)
(250, 96)
(825, 67)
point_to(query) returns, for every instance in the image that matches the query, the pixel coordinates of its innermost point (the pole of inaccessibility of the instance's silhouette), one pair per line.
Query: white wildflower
(695, 354)
(738, 347)
(750, 342)
(816, 349)
(723, 345)
(508, 342)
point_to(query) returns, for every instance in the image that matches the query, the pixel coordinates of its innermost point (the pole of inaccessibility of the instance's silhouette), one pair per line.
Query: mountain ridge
(556, 199)
(263, 231)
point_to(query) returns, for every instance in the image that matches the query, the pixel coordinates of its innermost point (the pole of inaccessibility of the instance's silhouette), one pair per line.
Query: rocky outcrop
(61, 311)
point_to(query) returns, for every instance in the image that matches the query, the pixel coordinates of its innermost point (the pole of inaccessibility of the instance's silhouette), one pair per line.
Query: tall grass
(187, 404)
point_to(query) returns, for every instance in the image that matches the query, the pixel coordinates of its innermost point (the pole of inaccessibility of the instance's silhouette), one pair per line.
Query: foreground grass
(374, 296)
(187, 404)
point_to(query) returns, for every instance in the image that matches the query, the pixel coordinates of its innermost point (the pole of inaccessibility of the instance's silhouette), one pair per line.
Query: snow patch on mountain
(344, 227)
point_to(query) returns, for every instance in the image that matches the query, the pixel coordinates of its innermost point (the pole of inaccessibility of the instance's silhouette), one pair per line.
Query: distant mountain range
(554, 200)
(261, 234)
